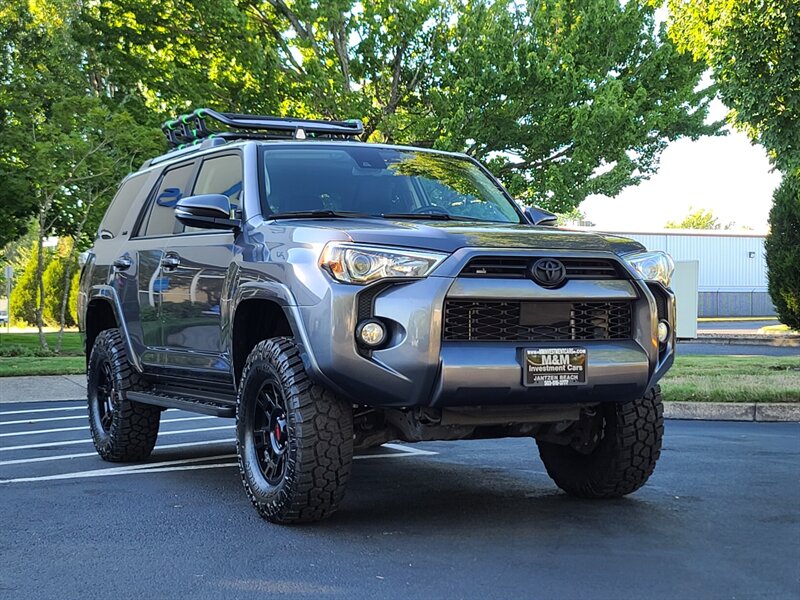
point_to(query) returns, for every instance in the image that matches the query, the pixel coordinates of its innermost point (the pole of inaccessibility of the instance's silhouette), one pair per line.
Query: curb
(781, 341)
(766, 412)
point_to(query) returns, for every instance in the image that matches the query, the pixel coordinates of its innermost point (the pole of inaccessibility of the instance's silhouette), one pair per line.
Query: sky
(727, 175)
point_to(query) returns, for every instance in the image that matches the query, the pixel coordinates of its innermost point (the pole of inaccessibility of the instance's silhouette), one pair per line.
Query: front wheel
(627, 444)
(294, 439)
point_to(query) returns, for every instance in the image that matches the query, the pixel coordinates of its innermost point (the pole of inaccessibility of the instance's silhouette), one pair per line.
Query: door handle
(123, 263)
(170, 262)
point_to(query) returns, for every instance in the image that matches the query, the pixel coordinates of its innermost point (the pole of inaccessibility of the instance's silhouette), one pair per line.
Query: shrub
(54, 286)
(783, 251)
(22, 304)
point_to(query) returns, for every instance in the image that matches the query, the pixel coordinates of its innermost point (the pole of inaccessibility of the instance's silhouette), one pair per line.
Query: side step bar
(199, 405)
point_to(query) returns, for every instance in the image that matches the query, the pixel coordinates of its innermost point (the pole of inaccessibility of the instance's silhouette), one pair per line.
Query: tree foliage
(562, 99)
(783, 252)
(753, 49)
(698, 219)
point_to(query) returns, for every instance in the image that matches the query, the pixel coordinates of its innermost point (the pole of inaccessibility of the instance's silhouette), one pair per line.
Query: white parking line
(187, 464)
(146, 467)
(24, 461)
(89, 441)
(86, 427)
(41, 410)
(32, 421)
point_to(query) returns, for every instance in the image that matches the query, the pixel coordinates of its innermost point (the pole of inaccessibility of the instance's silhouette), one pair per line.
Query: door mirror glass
(206, 211)
(539, 216)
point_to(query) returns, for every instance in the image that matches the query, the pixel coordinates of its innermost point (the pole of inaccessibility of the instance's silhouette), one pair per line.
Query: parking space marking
(23, 461)
(181, 464)
(32, 421)
(142, 468)
(86, 427)
(40, 410)
(85, 441)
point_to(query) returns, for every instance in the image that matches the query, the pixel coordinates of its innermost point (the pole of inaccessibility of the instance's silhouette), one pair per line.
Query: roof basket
(192, 128)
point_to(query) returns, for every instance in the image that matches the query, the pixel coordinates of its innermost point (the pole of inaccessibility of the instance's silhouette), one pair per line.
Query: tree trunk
(68, 273)
(38, 279)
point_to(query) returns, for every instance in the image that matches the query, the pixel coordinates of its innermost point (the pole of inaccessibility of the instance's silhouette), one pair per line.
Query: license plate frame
(554, 367)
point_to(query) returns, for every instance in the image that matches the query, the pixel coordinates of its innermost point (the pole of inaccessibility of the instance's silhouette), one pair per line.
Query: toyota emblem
(548, 272)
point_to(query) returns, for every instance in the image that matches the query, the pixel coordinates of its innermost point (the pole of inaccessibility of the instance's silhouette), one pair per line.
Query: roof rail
(192, 128)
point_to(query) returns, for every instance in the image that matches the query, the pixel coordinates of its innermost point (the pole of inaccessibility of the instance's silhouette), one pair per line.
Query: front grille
(517, 267)
(512, 320)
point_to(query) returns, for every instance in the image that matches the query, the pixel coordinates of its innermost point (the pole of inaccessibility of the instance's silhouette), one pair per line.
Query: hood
(449, 236)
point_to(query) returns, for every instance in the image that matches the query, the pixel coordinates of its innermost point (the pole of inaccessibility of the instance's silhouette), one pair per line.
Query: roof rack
(193, 128)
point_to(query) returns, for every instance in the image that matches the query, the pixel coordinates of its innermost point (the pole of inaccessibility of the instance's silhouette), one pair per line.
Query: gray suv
(333, 295)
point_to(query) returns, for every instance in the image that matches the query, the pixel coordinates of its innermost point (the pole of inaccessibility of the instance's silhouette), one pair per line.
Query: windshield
(381, 181)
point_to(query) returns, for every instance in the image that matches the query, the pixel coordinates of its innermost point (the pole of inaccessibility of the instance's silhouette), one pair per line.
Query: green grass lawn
(733, 379)
(52, 365)
(71, 343)
(692, 378)
(20, 354)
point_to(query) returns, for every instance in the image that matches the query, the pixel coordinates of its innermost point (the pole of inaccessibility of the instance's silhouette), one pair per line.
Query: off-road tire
(131, 428)
(624, 458)
(318, 438)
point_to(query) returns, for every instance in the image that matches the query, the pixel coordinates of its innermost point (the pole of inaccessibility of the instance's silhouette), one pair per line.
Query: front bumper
(418, 368)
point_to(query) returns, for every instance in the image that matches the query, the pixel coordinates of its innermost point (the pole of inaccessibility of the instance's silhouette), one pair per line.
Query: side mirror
(540, 216)
(208, 211)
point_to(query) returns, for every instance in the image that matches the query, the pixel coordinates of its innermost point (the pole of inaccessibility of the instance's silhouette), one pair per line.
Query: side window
(121, 204)
(221, 175)
(161, 218)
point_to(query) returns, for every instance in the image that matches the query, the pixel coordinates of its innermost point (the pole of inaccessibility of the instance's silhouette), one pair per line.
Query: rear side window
(160, 219)
(120, 205)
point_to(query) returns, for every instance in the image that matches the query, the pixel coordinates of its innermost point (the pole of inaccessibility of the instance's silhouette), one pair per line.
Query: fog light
(663, 331)
(371, 333)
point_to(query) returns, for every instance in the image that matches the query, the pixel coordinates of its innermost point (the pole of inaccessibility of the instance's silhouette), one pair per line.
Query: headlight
(357, 263)
(653, 266)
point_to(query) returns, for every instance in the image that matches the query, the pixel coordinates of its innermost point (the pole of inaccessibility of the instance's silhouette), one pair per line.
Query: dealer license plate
(552, 367)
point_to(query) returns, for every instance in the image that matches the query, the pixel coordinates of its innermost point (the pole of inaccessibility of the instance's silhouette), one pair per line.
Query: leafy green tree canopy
(698, 219)
(562, 98)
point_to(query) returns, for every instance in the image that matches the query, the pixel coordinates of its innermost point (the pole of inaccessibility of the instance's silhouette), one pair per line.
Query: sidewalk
(73, 387)
(42, 388)
(747, 332)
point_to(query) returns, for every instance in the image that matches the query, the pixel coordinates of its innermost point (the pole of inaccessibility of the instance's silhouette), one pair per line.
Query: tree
(698, 219)
(563, 99)
(753, 49)
(67, 147)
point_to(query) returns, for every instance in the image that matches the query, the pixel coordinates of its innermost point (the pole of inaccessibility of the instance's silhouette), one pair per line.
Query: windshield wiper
(425, 216)
(304, 214)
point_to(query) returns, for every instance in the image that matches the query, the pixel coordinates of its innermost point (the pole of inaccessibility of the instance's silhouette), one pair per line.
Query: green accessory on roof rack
(192, 128)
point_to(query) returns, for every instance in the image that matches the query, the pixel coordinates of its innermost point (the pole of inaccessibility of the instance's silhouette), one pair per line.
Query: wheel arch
(255, 319)
(103, 312)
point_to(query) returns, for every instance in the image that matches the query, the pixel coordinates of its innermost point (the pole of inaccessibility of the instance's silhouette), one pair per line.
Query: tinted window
(221, 175)
(378, 181)
(122, 203)
(161, 219)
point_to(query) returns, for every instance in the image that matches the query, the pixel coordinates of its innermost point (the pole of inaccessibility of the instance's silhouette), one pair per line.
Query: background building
(732, 278)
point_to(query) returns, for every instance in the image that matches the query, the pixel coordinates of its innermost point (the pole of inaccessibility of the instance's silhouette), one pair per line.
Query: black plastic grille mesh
(490, 320)
(516, 267)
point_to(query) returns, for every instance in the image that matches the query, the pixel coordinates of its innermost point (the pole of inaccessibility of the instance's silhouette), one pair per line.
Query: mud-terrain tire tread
(134, 428)
(321, 440)
(624, 460)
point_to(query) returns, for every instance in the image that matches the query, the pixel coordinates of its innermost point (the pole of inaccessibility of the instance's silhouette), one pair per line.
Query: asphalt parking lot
(720, 518)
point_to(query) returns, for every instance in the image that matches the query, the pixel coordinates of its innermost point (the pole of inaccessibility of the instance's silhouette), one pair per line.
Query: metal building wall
(733, 270)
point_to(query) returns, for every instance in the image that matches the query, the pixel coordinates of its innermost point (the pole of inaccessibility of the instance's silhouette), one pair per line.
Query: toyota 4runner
(333, 295)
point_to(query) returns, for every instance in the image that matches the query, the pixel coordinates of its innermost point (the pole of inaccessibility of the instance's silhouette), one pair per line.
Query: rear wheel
(122, 430)
(294, 438)
(617, 456)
